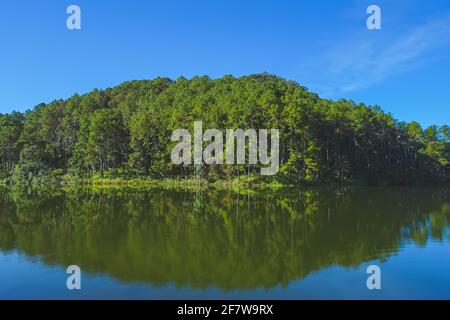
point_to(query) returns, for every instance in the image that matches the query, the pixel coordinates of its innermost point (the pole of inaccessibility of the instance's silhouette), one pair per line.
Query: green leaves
(127, 129)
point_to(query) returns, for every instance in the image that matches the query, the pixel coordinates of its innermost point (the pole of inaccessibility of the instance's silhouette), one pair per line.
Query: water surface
(158, 244)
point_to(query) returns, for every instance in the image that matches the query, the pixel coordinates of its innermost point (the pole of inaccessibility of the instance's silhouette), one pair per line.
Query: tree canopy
(126, 130)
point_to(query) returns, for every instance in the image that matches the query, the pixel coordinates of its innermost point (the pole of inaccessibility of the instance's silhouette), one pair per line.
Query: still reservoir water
(159, 244)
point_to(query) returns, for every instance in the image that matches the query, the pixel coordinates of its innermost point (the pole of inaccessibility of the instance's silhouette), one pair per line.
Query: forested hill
(126, 131)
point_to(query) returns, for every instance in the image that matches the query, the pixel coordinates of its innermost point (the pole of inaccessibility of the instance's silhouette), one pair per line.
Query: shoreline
(253, 183)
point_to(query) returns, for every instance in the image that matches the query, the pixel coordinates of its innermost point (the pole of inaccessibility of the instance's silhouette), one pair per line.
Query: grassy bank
(241, 184)
(256, 183)
(250, 183)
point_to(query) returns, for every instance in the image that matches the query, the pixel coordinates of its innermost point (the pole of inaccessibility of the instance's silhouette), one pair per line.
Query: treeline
(125, 131)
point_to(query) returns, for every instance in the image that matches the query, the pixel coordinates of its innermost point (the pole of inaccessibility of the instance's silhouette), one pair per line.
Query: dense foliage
(126, 130)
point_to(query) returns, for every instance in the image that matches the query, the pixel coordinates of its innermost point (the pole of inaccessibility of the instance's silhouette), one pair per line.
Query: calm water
(314, 243)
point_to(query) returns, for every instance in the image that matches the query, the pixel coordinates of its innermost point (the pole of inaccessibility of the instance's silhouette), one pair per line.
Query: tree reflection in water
(222, 239)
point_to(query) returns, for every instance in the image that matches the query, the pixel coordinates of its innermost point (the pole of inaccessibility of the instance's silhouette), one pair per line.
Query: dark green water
(314, 243)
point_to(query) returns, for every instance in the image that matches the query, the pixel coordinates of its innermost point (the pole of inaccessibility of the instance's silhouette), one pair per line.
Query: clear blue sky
(324, 45)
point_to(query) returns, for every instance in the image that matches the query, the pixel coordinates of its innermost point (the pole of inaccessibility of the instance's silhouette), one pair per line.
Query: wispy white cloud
(367, 60)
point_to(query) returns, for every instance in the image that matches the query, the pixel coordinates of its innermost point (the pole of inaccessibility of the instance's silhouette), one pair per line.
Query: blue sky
(322, 44)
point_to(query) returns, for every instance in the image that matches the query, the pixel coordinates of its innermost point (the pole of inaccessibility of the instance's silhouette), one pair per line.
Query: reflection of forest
(221, 239)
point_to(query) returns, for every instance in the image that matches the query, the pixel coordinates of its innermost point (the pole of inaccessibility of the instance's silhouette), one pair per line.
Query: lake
(313, 243)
